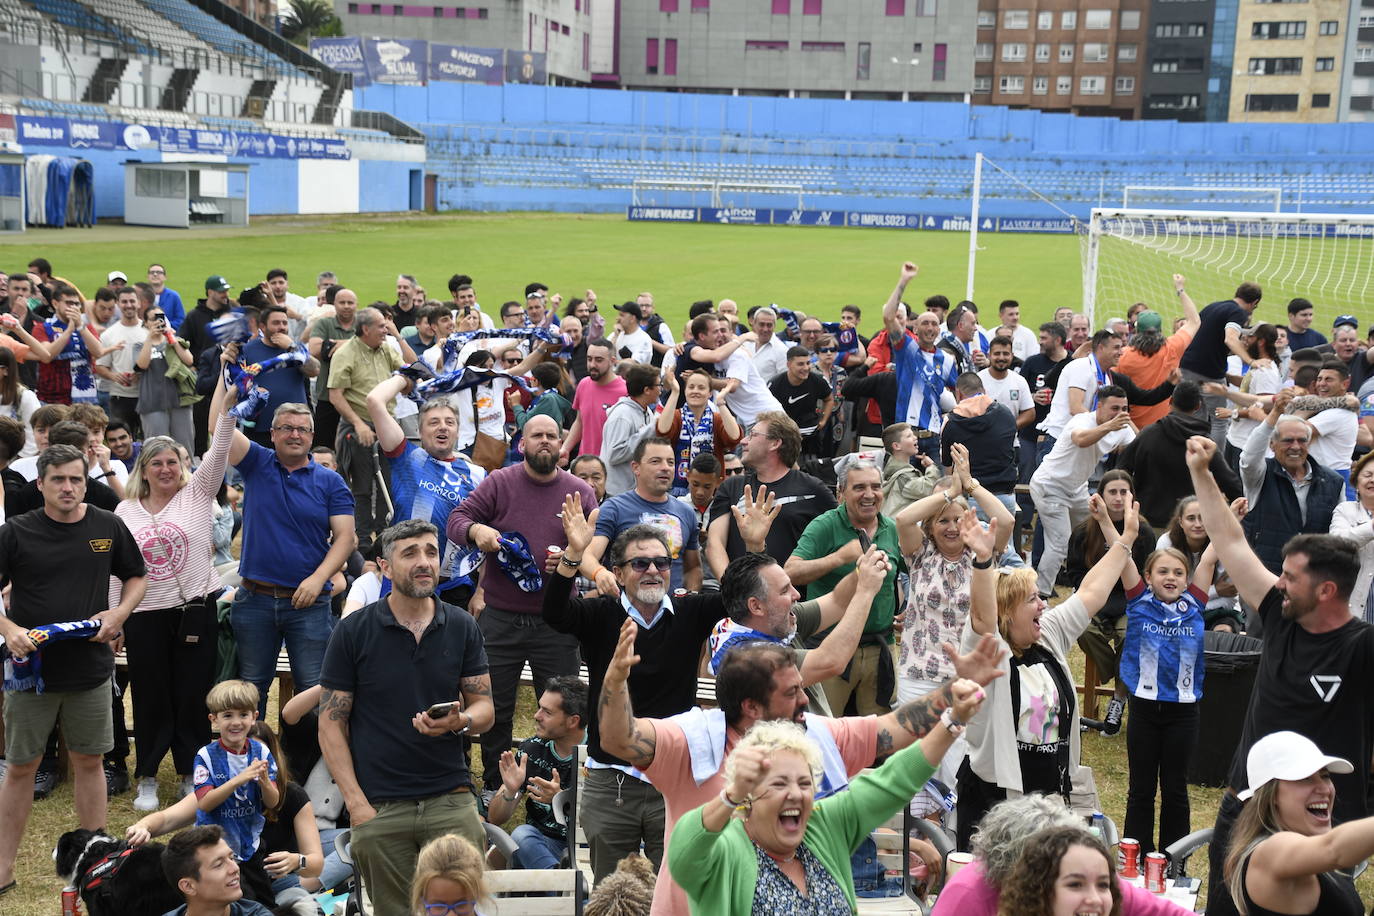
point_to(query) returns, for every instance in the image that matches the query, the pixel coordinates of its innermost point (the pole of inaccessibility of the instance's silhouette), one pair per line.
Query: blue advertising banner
(662, 214)
(946, 222)
(746, 215)
(467, 65)
(396, 61)
(114, 135)
(808, 217)
(865, 219)
(344, 55)
(1013, 224)
(527, 67)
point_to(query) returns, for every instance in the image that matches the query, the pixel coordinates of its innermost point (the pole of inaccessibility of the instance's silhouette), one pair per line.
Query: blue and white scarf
(727, 634)
(1102, 375)
(695, 437)
(27, 673)
(244, 376)
(454, 342)
(231, 327)
(517, 562)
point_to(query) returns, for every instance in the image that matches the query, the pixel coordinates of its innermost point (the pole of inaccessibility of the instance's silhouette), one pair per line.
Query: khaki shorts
(87, 722)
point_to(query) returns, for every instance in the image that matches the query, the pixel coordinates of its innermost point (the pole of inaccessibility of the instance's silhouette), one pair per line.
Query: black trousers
(173, 656)
(326, 423)
(975, 798)
(126, 409)
(511, 640)
(1160, 738)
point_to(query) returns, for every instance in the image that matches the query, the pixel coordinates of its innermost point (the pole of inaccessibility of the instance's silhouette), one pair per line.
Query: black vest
(1275, 517)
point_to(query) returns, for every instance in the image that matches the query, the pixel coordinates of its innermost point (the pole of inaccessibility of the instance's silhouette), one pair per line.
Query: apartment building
(1357, 76)
(1289, 60)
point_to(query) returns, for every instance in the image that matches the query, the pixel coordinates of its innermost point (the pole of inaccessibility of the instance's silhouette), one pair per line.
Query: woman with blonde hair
(767, 847)
(1029, 739)
(448, 878)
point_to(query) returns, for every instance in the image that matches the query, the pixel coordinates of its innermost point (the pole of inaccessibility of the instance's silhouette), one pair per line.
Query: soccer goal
(1130, 256)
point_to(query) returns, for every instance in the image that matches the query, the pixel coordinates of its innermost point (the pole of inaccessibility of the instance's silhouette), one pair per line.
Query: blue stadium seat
(75, 16)
(218, 35)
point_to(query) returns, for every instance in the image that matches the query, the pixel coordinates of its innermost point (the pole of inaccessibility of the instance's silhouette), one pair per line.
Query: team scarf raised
(244, 376)
(27, 673)
(231, 327)
(696, 436)
(428, 385)
(727, 634)
(454, 342)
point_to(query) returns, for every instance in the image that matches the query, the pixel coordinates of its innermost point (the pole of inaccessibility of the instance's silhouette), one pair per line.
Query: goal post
(1130, 255)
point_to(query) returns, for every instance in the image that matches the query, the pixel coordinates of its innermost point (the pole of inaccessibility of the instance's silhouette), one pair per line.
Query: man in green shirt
(827, 551)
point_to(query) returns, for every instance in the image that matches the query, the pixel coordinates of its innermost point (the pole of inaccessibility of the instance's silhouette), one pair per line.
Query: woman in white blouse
(1355, 520)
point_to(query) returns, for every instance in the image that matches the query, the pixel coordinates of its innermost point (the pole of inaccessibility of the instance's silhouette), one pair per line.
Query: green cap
(217, 283)
(1148, 321)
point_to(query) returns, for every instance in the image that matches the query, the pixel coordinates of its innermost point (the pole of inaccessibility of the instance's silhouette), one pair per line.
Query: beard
(542, 462)
(408, 588)
(650, 594)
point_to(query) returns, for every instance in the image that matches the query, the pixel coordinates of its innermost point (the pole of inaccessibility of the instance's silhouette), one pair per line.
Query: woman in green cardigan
(766, 846)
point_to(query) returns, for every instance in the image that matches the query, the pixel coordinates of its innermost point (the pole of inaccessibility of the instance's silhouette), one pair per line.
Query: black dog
(114, 878)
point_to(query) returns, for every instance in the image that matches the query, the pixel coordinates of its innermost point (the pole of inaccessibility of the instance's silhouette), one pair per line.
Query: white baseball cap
(116, 275)
(1288, 756)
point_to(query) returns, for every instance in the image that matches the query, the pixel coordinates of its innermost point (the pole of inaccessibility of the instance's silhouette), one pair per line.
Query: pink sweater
(178, 544)
(968, 893)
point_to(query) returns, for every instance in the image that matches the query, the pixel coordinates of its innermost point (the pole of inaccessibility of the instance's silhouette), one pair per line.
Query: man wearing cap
(1149, 356)
(169, 300)
(115, 279)
(629, 340)
(195, 330)
(1316, 668)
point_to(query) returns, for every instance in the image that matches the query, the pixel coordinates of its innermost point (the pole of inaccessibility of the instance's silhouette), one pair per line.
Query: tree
(310, 18)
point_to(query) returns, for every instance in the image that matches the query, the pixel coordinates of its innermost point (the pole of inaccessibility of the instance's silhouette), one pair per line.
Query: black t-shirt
(61, 572)
(542, 760)
(301, 744)
(392, 677)
(1206, 355)
(28, 497)
(686, 364)
(280, 835)
(1318, 685)
(801, 402)
(799, 497)
(991, 441)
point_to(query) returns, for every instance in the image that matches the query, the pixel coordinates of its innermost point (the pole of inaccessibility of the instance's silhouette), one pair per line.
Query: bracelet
(736, 806)
(569, 562)
(982, 564)
(510, 799)
(951, 724)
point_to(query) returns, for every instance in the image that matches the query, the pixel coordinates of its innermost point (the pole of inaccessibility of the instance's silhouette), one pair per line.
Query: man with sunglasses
(734, 465)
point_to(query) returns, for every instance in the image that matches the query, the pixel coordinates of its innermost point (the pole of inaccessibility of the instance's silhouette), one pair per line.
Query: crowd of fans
(433, 497)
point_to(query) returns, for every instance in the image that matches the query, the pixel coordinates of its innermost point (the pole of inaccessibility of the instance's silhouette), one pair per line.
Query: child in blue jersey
(235, 776)
(1162, 666)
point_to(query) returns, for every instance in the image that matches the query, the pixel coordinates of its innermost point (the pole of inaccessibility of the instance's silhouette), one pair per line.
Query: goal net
(1130, 255)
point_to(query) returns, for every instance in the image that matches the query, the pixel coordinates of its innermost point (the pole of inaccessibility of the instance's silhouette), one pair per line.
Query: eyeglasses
(642, 564)
(457, 907)
(828, 350)
(519, 314)
(158, 272)
(511, 360)
(295, 430)
(731, 472)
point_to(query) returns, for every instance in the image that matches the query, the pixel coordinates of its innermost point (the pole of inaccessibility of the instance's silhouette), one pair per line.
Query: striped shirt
(922, 376)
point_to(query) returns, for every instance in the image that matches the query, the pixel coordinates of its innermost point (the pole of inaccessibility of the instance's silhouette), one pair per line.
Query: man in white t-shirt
(119, 362)
(1335, 429)
(746, 392)
(1079, 381)
(629, 340)
(1025, 343)
(1007, 388)
(768, 351)
(1059, 486)
(296, 312)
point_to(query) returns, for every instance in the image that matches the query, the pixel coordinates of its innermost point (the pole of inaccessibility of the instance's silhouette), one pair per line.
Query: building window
(811, 7)
(1364, 54)
(670, 57)
(782, 7)
(937, 73)
(896, 7)
(1125, 52)
(1366, 20)
(1068, 19)
(1325, 63)
(1040, 85)
(1321, 100)
(586, 50)
(1016, 19)
(1044, 21)
(1097, 19)
(1042, 53)
(865, 60)
(1279, 30)
(1095, 51)
(1066, 54)
(1277, 102)
(1329, 27)
(651, 55)
(982, 50)
(696, 5)
(823, 46)
(1274, 66)
(1125, 85)
(987, 19)
(982, 85)
(1063, 85)
(1130, 20)
(766, 44)
(1013, 51)
(1093, 85)
(1011, 85)
(1172, 102)
(667, 6)
(1164, 65)
(927, 7)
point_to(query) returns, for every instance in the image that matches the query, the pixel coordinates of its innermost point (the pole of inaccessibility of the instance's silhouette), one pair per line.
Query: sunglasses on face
(731, 472)
(642, 564)
(828, 350)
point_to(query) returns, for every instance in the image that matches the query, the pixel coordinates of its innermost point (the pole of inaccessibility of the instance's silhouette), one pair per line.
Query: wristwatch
(301, 865)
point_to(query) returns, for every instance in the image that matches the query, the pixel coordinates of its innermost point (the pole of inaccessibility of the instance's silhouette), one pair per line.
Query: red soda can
(679, 593)
(1130, 858)
(1154, 872)
(71, 902)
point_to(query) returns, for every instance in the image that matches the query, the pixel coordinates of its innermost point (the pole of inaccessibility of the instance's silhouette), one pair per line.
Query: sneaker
(44, 781)
(116, 779)
(147, 795)
(1111, 722)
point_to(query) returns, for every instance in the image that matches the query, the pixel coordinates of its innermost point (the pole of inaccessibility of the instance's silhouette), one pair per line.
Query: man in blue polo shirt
(428, 480)
(286, 385)
(925, 372)
(297, 532)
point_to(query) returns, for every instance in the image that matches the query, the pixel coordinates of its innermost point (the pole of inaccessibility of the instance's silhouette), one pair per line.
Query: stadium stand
(219, 35)
(80, 18)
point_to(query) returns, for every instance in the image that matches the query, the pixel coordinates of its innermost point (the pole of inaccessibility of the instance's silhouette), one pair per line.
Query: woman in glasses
(827, 349)
(159, 398)
(171, 637)
(448, 878)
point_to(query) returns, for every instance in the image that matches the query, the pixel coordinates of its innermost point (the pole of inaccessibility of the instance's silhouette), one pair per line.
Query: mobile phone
(865, 541)
(439, 710)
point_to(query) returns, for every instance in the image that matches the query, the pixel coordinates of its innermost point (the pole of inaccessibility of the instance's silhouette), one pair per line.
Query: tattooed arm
(335, 708)
(632, 740)
(911, 721)
(477, 702)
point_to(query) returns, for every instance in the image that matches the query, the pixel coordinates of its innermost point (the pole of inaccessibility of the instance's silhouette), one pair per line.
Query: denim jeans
(262, 623)
(537, 849)
(336, 870)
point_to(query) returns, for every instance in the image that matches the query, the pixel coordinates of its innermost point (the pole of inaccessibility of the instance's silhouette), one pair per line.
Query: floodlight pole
(973, 224)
